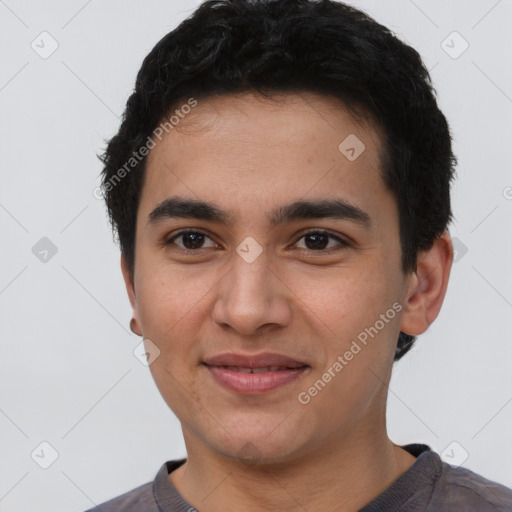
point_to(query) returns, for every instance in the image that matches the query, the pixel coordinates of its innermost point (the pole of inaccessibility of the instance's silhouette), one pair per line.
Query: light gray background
(68, 373)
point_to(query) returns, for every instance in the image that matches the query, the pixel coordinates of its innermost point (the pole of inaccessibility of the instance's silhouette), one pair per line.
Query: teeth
(236, 369)
(268, 369)
(255, 370)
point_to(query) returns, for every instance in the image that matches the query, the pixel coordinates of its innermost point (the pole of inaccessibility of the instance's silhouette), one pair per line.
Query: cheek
(169, 317)
(346, 299)
(359, 326)
(169, 298)
(172, 314)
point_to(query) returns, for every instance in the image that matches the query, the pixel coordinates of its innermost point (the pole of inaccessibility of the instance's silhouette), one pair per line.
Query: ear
(130, 289)
(426, 287)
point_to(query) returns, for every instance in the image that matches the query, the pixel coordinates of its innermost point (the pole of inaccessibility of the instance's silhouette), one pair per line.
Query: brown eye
(190, 241)
(319, 241)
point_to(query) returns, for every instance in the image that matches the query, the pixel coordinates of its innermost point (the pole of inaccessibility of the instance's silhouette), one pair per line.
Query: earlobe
(134, 327)
(130, 289)
(427, 286)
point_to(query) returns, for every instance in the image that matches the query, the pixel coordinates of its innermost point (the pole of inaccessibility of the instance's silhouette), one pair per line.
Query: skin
(270, 452)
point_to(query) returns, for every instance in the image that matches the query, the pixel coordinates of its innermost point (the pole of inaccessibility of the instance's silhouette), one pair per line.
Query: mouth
(254, 375)
(264, 369)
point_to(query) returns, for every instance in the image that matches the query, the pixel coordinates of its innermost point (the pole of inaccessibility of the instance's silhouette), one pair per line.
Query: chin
(259, 450)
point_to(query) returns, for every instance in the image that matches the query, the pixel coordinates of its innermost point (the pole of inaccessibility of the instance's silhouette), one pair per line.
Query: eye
(318, 241)
(191, 241)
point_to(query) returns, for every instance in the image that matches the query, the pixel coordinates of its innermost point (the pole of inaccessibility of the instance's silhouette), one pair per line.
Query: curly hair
(321, 46)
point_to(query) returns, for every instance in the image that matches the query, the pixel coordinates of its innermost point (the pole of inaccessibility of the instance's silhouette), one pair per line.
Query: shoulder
(146, 497)
(140, 498)
(460, 488)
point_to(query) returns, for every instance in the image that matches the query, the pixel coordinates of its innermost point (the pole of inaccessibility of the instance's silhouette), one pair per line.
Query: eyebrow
(178, 207)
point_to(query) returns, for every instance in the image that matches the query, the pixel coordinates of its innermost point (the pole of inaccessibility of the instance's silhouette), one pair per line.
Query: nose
(252, 297)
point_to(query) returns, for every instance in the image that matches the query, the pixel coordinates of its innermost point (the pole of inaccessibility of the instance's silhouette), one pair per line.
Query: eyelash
(193, 252)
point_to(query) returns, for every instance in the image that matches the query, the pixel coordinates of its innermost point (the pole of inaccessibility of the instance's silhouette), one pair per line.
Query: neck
(344, 475)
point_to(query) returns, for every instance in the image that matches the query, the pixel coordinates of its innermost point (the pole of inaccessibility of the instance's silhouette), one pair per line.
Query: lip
(232, 371)
(253, 361)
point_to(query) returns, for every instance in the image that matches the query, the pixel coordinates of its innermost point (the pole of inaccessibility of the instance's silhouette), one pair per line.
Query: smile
(254, 381)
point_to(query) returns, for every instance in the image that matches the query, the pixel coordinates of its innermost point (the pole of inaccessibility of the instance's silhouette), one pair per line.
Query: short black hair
(279, 46)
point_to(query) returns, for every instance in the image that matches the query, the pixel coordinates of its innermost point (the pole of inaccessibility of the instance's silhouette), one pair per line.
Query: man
(280, 187)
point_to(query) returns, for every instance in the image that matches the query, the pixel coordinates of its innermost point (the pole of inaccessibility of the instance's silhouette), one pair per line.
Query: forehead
(252, 117)
(244, 148)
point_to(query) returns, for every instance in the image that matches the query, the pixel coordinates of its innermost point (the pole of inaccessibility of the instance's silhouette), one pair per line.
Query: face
(320, 285)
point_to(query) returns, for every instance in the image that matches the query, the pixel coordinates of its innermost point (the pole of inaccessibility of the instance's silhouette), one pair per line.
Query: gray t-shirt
(429, 485)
